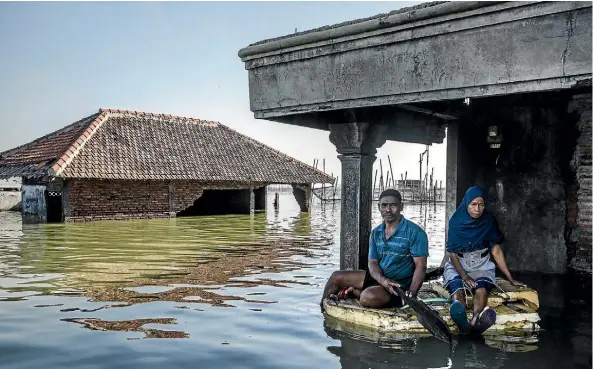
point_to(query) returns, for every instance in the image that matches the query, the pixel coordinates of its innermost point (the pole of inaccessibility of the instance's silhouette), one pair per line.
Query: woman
(473, 238)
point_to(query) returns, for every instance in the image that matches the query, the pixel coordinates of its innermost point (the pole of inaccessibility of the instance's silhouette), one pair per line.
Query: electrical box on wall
(494, 137)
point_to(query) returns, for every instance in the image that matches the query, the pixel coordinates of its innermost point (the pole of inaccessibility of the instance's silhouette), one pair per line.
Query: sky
(63, 61)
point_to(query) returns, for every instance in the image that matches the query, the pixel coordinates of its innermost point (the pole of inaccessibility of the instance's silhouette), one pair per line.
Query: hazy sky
(63, 61)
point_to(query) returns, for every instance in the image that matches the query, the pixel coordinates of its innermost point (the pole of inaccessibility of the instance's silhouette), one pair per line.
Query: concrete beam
(451, 52)
(403, 125)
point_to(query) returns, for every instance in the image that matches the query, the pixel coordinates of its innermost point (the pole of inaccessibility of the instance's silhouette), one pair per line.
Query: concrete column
(172, 212)
(260, 199)
(451, 180)
(65, 202)
(357, 145)
(302, 194)
(251, 201)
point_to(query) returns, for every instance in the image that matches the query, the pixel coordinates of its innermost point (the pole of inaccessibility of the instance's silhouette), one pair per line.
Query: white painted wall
(10, 200)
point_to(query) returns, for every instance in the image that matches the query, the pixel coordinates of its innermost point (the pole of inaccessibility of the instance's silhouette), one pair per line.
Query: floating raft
(516, 311)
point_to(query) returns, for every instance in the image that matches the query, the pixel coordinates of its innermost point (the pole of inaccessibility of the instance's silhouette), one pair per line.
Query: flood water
(228, 292)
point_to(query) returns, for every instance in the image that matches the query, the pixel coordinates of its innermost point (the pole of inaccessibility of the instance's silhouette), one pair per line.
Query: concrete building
(509, 82)
(123, 164)
(10, 193)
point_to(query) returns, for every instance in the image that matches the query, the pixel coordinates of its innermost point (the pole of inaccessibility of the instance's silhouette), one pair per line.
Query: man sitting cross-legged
(398, 249)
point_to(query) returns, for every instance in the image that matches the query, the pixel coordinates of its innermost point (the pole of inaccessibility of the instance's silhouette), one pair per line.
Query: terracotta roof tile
(119, 144)
(43, 151)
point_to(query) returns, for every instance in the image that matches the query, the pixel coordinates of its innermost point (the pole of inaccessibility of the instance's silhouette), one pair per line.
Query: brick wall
(581, 164)
(96, 199)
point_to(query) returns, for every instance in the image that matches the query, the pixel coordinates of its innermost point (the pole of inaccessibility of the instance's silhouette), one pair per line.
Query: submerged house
(118, 164)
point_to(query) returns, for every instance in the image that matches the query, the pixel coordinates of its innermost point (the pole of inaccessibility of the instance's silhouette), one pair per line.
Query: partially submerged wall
(10, 194)
(528, 179)
(96, 199)
(33, 203)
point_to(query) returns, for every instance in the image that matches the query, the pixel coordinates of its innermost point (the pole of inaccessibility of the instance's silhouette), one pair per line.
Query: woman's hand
(470, 282)
(517, 283)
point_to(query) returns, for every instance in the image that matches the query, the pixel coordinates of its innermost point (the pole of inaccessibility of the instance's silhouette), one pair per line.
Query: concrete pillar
(302, 194)
(172, 212)
(251, 201)
(65, 201)
(260, 199)
(451, 178)
(357, 145)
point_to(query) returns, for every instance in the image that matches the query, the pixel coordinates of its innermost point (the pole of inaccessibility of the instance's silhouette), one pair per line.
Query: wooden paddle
(429, 318)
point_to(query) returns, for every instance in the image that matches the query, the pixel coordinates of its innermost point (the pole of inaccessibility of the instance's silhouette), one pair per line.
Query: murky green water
(226, 291)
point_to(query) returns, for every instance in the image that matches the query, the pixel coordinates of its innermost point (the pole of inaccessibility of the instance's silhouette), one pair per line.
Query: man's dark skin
(377, 296)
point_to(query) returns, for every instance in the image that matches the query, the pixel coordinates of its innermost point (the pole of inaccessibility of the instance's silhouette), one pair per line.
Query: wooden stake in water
(391, 170)
(323, 184)
(381, 179)
(403, 190)
(374, 184)
(420, 180)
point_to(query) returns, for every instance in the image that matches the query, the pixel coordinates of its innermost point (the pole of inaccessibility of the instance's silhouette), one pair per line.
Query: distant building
(119, 164)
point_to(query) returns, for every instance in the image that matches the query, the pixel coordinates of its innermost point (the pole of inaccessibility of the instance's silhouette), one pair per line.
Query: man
(398, 250)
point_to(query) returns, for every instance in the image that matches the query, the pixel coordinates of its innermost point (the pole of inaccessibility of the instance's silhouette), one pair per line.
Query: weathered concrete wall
(10, 194)
(527, 178)
(580, 202)
(33, 203)
(500, 48)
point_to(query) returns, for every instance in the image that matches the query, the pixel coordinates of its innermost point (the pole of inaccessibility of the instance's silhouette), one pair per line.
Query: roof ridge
(45, 137)
(138, 113)
(61, 164)
(261, 144)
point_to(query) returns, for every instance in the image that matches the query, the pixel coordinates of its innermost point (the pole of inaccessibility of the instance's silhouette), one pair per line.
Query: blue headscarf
(467, 234)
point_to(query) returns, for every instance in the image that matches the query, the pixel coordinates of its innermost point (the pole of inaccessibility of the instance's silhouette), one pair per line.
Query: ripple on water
(228, 291)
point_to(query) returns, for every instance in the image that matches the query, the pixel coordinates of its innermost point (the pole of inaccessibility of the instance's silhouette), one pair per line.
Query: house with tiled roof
(119, 164)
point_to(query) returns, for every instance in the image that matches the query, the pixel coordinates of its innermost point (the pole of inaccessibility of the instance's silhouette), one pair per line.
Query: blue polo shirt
(396, 254)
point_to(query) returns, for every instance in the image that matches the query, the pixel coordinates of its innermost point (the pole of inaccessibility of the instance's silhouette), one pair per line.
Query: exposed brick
(98, 200)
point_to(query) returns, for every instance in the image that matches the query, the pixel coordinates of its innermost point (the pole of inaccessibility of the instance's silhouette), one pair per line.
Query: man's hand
(411, 294)
(388, 284)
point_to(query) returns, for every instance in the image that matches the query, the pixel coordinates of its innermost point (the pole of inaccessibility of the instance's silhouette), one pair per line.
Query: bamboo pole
(335, 186)
(406, 182)
(381, 179)
(323, 184)
(420, 179)
(375, 183)
(391, 169)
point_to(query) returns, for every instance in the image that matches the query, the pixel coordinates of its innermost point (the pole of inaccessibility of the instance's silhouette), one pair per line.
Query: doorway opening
(53, 199)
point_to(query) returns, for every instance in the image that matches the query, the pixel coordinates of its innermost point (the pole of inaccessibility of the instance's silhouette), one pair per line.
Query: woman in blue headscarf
(473, 237)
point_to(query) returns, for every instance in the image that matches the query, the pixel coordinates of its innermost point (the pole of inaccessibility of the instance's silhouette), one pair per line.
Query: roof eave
(369, 25)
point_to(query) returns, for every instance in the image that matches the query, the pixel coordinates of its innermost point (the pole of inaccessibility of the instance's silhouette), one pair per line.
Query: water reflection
(230, 291)
(364, 348)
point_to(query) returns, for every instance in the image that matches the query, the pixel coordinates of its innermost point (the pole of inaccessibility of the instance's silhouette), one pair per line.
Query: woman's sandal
(459, 316)
(485, 320)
